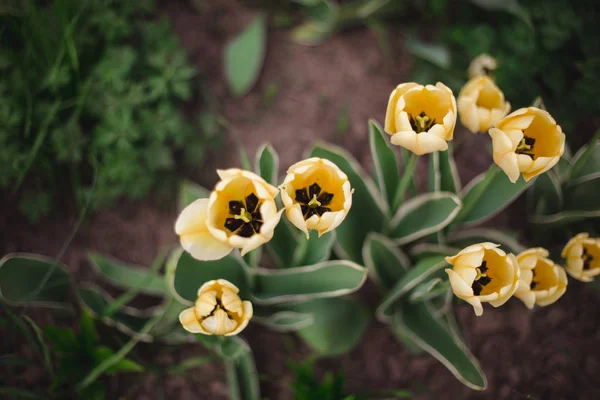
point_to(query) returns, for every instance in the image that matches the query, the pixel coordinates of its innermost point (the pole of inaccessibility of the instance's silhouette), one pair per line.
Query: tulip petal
(204, 246)
(294, 215)
(459, 286)
(190, 323)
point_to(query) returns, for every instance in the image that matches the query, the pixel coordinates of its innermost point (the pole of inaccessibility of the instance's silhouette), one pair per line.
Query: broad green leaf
(468, 237)
(244, 57)
(425, 269)
(284, 243)
(189, 363)
(190, 192)
(368, 208)
(34, 280)
(282, 320)
(101, 353)
(128, 276)
(417, 321)
(185, 274)
(423, 250)
(586, 163)
(436, 53)
(510, 6)
(443, 175)
(326, 279)
(266, 163)
(563, 218)
(428, 290)
(384, 161)
(545, 195)
(41, 342)
(498, 194)
(384, 260)
(242, 377)
(315, 249)
(584, 195)
(338, 326)
(422, 215)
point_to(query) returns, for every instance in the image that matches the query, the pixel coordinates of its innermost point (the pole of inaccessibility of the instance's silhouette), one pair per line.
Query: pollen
(525, 146)
(421, 123)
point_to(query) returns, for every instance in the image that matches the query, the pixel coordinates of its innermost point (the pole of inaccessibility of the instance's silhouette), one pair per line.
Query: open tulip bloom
(481, 104)
(583, 257)
(542, 282)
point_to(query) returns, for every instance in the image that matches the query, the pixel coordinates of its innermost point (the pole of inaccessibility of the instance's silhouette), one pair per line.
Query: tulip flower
(583, 257)
(482, 65)
(217, 311)
(482, 273)
(481, 104)
(542, 282)
(316, 195)
(421, 118)
(527, 141)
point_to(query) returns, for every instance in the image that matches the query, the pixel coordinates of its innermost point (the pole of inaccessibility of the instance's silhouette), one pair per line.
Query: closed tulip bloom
(542, 282)
(482, 65)
(421, 118)
(316, 195)
(482, 273)
(527, 141)
(217, 311)
(240, 213)
(583, 257)
(481, 104)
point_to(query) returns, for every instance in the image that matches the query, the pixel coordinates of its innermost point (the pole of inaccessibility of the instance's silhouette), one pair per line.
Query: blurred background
(106, 106)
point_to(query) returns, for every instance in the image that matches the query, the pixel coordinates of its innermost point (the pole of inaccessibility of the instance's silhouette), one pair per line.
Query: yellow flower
(481, 65)
(421, 118)
(316, 195)
(528, 141)
(240, 213)
(542, 282)
(583, 257)
(482, 273)
(481, 104)
(217, 311)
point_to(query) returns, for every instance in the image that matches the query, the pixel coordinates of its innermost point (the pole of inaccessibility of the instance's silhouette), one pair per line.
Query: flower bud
(542, 282)
(482, 65)
(481, 104)
(583, 257)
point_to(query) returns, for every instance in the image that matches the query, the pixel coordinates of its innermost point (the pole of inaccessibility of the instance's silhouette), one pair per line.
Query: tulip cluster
(241, 212)
(483, 273)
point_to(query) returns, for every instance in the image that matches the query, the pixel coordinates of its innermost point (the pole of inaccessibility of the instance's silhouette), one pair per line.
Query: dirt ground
(551, 353)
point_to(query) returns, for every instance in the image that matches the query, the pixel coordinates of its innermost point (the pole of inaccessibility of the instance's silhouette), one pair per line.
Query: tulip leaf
(266, 163)
(545, 195)
(430, 289)
(425, 269)
(510, 6)
(498, 194)
(417, 321)
(315, 249)
(244, 57)
(384, 161)
(240, 370)
(185, 274)
(586, 162)
(423, 250)
(468, 237)
(311, 33)
(368, 208)
(282, 320)
(384, 260)
(34, 280)
(284, 243)
(190, 192)
(339, 324)
(326, 279)
(128, 276)
(563, 218)
(443, 175)
(584, 195)
(422, 215)
(435, 53)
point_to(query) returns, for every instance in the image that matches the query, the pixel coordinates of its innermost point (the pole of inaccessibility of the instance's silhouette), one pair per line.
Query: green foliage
(93, 90)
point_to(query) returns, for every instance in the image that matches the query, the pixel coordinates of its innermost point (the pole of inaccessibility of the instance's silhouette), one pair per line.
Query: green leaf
(423, 250)
(384, 161)
(422, 215)
(63, 339)
(563, 218)
(185, 274)
(282, 320)
(189, 363)
(338, 326)
(41, 341)
(498, 194)
(583, 195)
(326, 279)
(242, 377)
(128, 276)
(510, 6)
(284, 244)
(88, 336)
(468, 237)
(311, 33)
(315, 249)
(425, 269)
(34, 280)
(443, 175)
(384, 260)
(368, 208)
(190, 192)
(417, 321)
(244, 57)
(586, 162)
(435, 53)
(267, 163)
(431, 289)
(545, 196)
(124, 365)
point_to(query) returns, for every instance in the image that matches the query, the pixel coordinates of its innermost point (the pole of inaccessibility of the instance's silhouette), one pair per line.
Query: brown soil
(551, 353)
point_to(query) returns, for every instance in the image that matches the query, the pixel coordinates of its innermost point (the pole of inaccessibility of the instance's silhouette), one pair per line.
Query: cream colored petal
(269, 225)
(237, 241)
(449, 123)
(312, 222)
(286, 198)
(340, 174)
(476, 303)
(232, 302)
(509, 164)
(190, 323)
(402, 121)
(569, 250)
(206, 302)
(468, 274)
(193, 218)
(302, 164)
(204, 246)
(228, 285)
(253, 242)
(528, 298)
(459, 286)
(429, 143)
(339, 218)
(489, 297)
(207, 286)
(406, 139)
(390, 114)
(436, 130)
(545, 164)
(485, 118)
(469, 259)
(229, 174)
(219, 323)
(246, 318)
(517, 120)
(294, 215)
(467, 110)
(501, 143)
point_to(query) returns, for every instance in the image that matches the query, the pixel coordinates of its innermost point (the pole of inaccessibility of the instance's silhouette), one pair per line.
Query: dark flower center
(481, 280)
(533, 280)
(587, 259)
(421, 123)
(313, 201)
(525, 146)
(245, 219)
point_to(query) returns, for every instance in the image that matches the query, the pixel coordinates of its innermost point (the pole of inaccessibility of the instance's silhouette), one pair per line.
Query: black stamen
(483, 267)
(245, 231)
(587, 260)
(477, 288)
(322, 210)
(302, 196)
(484, 280)
(235, 207)
(251, 202)
(256, 225)
(313, 190)
(233, 224)
(533, 284)
(325, 198)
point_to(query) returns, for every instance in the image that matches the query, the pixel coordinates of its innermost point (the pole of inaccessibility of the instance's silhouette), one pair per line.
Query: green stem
(232, 380)
(409, 171)
(471, 199)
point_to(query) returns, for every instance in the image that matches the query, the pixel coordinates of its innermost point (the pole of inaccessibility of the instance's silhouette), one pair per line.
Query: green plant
(91, 98)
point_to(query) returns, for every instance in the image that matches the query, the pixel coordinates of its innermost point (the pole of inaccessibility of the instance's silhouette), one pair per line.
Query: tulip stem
(409, 171)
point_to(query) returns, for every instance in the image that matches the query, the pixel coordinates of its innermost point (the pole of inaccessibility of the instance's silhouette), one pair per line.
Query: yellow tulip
(542, 282)
(482, 65)
(240, 213)
(482, 273)
(421, 118)
(481, 104)
(583, 257)
(316, 195)
(217, 311)
(527, 141)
